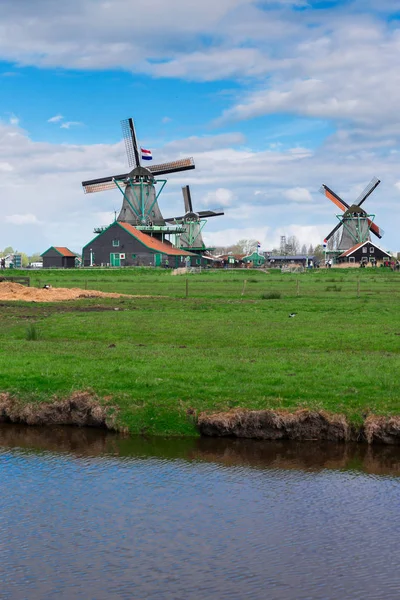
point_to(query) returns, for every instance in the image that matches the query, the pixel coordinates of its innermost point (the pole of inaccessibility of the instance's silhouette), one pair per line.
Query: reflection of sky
(131, 528)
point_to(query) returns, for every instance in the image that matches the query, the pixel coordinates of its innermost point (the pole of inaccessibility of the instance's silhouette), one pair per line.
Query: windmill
(192, 224)
(356, 222)
(140, 198)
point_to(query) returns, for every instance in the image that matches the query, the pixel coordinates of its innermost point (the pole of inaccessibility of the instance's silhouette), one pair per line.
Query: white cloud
(166, 120)
(220, 198)
(14, 120)
(298, 194)
(69, 124)
(5, 167)
(23, 219)
(55, 119)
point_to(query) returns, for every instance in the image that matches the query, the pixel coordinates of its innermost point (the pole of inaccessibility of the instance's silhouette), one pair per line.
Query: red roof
(153, 243)
(64, 251)
(351, 250)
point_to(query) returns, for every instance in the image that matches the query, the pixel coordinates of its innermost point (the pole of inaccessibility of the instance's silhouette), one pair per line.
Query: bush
(333, 288)
(271, 296)
(31, 332)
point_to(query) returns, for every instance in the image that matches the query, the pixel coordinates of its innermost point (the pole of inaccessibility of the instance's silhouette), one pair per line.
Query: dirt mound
(16, 291)
(276, 425)
(382, 430)
(81, 408)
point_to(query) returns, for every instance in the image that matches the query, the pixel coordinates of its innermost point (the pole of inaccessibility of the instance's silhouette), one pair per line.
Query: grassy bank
(162, 357)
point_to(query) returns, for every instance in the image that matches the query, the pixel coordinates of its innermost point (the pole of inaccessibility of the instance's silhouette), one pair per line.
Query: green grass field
(217, 349)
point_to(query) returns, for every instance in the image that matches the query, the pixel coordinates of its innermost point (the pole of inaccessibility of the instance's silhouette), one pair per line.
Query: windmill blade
(184, 164)
(206, 214)
(373, 184)
(203, 214)
(325, 191)
(187, 199)
(131, 147)
(102, 184)
(375, 229)
(334, 230)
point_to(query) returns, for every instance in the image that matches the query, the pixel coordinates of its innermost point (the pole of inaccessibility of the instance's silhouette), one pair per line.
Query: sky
(271, 98)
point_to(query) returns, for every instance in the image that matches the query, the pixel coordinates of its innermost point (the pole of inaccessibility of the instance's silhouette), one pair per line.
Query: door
(115, 260)
(157, 260)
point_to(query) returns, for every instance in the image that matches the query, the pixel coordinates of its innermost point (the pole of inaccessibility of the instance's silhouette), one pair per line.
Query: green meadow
(229, 343)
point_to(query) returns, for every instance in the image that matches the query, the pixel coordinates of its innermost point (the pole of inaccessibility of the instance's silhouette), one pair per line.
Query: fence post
(187, 287)
(244, 286)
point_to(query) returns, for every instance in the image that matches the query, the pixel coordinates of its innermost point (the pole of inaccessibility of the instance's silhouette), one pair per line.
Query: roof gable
(62, 251)
(351, 250)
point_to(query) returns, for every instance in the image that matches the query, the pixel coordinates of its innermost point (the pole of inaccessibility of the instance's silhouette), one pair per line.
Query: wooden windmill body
(140, 206)
(192, 224)
(355, 223)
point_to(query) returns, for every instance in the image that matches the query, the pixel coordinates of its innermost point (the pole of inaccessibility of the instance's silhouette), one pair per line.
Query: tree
(304, 249)
(35, 257)
(8, 250)
(293, 245)
(319, 252)
(245, 247)
(311, 249)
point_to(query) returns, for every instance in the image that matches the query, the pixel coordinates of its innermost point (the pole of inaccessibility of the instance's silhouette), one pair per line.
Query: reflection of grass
(213, 350)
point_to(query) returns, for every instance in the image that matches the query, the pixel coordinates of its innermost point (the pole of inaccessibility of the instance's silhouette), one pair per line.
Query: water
(86, 514)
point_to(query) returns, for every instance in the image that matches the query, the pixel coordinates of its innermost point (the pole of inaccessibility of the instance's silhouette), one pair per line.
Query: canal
(93, 515)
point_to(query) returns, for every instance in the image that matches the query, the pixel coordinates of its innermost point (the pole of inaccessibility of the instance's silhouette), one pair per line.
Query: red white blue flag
(146, 154)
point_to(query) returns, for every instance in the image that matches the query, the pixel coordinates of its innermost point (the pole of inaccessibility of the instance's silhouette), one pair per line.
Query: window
(198, 261)
(372, 250)
(115, 243)
(133, 255)
(365, 250)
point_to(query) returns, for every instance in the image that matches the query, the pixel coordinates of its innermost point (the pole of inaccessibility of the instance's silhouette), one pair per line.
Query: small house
(363, 253)
(58, 256)
(254, 259)
(122, 245)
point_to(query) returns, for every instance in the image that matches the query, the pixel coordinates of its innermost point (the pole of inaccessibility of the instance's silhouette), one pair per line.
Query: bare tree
(304, 249)
(293, 245)
(245, 246)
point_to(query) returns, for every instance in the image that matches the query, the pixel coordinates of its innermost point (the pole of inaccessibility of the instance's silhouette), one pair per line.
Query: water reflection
(313, 456)
(89, 514)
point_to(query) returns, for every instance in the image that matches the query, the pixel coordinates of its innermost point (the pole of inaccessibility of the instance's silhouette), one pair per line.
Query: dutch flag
(258, 245)
(146, 154)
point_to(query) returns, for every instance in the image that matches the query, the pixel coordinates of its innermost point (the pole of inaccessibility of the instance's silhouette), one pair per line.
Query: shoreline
(83, 409)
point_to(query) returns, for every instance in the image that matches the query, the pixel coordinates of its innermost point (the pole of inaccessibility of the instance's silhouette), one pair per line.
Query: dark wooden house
(58, 256)
(122, 245)
(365, 252)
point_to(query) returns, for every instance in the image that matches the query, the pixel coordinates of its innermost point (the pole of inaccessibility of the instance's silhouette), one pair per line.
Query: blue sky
(271, 98)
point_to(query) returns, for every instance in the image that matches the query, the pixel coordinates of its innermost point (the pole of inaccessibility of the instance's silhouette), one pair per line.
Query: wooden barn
(363, 253)
(58, 256)
(122, 245)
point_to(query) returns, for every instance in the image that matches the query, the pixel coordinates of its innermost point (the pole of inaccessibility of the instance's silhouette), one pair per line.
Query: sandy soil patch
(16, 291)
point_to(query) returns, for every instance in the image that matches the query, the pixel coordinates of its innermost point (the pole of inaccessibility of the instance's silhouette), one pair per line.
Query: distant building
(294, 260)
(122, 245)
(365, 252)
(231, 260)
(58, 256)
(255, 259)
